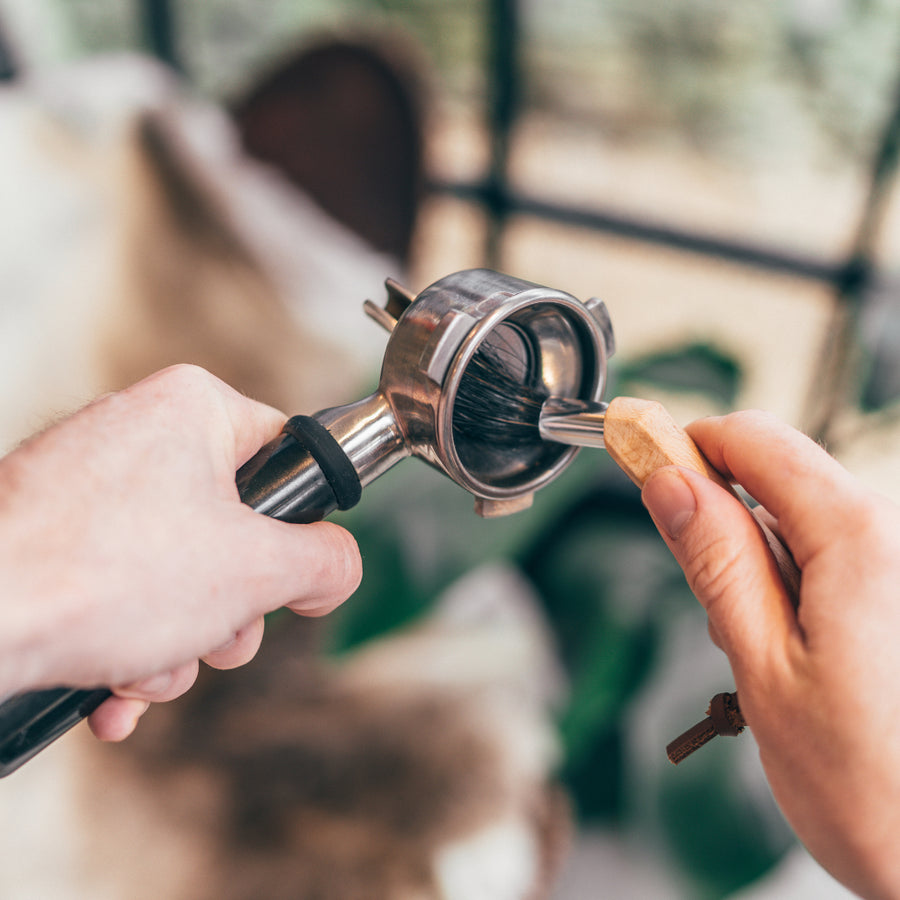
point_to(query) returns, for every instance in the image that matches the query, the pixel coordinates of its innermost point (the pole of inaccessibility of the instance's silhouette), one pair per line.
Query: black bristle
(494, 407)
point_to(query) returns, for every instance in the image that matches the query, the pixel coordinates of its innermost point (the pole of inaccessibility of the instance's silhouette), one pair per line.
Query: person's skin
(126, 555)
(819, 686)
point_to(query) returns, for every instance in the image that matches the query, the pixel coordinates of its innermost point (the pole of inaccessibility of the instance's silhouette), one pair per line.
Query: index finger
(797, 481)
(236, 425)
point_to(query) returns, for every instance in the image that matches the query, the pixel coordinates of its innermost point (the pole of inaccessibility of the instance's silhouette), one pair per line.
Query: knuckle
(188, 373)
(714, 570)
(340, 565)
(238, 651)
(750, 417)
(349, 562)
(186, 380)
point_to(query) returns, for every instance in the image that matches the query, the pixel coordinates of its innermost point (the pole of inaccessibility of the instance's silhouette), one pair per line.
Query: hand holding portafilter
(475, 337)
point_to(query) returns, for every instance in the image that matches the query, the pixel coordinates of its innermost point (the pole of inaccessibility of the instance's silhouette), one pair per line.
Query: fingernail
(669, 500)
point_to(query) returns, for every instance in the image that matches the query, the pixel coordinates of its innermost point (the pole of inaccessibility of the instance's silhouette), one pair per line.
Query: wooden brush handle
(642, 437)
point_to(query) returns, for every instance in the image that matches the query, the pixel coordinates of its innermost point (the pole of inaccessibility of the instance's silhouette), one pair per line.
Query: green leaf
(698, 368)
(722, 834)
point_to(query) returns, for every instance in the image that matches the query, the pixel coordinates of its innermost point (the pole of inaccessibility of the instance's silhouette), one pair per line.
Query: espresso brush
(497, 409)
(642, 437)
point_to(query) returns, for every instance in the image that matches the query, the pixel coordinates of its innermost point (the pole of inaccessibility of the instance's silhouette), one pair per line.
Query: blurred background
(225, 181)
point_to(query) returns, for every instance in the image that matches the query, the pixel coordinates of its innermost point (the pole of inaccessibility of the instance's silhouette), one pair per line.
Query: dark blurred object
(342, 121)
(698, 368)
(160, 32)
(880, 334)
(8, 66)
(838, 378)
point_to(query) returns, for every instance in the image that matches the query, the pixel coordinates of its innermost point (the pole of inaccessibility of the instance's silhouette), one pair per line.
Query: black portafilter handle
(301, 476)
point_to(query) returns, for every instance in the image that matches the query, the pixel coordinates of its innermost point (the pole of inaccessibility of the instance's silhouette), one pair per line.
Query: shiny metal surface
(544, 337)
(578, 423)
(290, 486)
(368, 433)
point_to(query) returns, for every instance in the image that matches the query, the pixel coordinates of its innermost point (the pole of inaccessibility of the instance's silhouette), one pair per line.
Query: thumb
(309, 568)
(727, 563)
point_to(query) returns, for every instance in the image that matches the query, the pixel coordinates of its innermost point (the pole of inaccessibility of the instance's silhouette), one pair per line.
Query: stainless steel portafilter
(467, 366)
(540, 341)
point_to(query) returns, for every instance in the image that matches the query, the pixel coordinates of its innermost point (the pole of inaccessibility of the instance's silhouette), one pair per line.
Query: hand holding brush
(642, 438)
(814, 662)
(817, 672)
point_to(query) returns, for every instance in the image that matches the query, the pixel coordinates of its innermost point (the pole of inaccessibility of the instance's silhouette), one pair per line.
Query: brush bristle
(493, 406)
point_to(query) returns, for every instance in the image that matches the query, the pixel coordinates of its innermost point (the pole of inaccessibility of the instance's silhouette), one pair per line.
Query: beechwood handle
(642, 437)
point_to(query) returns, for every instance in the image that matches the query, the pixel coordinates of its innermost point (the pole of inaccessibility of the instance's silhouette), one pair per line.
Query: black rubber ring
(339, 472)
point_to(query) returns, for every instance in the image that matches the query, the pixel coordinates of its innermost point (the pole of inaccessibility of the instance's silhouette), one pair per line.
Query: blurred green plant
(696, 368)
(722, 834)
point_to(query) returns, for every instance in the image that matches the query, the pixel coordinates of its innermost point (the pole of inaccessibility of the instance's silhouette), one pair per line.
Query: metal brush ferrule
(575, 422)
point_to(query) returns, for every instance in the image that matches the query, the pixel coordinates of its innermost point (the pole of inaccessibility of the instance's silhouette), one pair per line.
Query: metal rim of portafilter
(467, 368)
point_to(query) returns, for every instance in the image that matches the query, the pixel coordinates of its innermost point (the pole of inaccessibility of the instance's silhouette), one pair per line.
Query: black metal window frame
(500, 200)
(851, 279)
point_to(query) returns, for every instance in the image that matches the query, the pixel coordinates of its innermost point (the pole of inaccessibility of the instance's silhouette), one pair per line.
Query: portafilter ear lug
(494, 509)
(600, 312)
(399, 298)
(380, 315)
